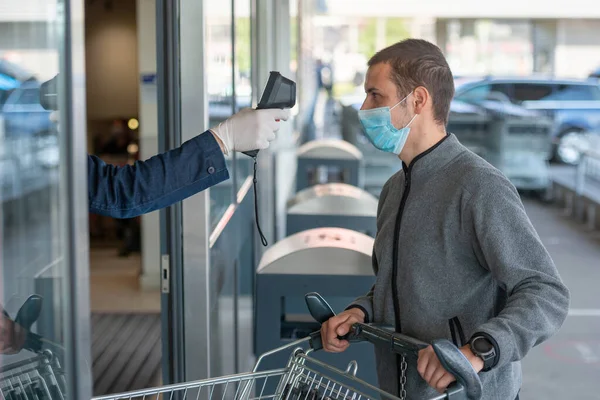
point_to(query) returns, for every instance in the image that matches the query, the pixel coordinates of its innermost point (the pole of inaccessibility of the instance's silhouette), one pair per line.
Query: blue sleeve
(165, 179)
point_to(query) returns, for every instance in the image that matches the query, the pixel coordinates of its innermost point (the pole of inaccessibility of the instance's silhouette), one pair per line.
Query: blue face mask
(377, 125)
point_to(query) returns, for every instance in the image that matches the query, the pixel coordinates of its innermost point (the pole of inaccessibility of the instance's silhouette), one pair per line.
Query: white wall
(34, 50)
(577, 47)
(28, 10)
(467, 8)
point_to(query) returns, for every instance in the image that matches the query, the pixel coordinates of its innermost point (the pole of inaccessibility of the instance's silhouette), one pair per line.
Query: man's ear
(421, 99)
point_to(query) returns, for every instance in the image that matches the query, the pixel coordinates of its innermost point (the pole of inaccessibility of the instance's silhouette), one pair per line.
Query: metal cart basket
(37, 378)
(303, 378)
(306, 378)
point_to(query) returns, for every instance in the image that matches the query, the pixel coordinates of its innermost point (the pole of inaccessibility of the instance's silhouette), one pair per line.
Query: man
(455, 254)
(167, 178)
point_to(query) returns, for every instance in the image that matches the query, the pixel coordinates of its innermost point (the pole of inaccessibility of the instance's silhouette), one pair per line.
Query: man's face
(382, 92)
(380, 89)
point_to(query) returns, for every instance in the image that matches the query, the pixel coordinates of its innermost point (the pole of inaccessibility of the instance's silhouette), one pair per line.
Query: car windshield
(462, 83)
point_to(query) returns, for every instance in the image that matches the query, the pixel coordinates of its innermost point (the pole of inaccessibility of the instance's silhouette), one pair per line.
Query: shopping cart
(37, 378)
(41, 376)
(306, 378)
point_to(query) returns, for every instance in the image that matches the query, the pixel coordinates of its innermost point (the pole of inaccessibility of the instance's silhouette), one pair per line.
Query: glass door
(44, 290)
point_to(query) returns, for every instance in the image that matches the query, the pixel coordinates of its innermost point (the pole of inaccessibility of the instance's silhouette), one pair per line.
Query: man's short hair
(416, 62)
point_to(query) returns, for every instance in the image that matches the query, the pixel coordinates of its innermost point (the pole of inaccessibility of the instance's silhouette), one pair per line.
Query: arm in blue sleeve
(165, 179)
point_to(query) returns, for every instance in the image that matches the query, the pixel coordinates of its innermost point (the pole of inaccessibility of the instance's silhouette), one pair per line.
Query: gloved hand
(250, 129)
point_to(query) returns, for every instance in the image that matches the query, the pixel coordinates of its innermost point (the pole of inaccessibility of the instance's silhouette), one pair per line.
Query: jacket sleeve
(165, 179)
(365, 303)
(507, 244)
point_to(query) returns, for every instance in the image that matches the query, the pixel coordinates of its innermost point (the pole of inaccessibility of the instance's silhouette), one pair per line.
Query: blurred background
(527, 79)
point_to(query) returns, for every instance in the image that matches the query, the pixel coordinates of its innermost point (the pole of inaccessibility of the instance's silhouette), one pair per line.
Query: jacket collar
(435, 158)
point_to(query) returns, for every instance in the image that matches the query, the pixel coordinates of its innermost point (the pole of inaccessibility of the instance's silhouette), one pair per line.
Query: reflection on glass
(32, 307)
(243, 83)
(218, 50)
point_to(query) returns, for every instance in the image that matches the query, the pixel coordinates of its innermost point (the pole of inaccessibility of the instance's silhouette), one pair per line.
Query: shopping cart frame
(306, 378)
(41, 374)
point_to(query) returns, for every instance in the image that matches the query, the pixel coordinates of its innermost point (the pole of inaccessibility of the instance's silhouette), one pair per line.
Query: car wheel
(570, 144)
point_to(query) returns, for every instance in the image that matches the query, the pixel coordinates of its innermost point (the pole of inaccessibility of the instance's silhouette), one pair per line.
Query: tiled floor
(114, 283)
(115, 289)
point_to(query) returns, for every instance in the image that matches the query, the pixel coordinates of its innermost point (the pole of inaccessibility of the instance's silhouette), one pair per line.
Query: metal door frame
(73, 183)
(190, 290)
(169, 120)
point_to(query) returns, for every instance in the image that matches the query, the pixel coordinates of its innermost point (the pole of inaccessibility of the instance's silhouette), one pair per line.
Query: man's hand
(12, 335)
(435, 375)
(250, 129)
(339, 326)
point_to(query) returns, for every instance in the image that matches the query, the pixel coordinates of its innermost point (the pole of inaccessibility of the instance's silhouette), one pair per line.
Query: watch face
(482, 345)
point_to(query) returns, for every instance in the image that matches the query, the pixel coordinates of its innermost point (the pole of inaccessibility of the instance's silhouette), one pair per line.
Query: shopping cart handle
(382, 336)
(316, 342)
(318, 307)
(454, 361)
(29, 311)
(467, 386)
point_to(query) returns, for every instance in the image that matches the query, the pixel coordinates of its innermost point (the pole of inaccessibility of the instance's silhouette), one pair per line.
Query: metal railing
(587, 169)
(584, 203)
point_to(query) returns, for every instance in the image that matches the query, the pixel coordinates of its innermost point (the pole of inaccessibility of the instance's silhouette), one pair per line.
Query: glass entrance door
(44, 295)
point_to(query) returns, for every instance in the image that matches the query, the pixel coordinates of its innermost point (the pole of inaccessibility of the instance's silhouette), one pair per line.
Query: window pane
(243, 82)
(218, 50)
(32, 240)
(575, 93)
(531, 92)
(500, 92)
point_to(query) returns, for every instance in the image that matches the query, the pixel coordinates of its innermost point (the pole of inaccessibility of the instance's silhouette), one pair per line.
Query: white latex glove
(250, 129)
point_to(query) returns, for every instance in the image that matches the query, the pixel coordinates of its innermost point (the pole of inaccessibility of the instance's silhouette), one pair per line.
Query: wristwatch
(484, 349)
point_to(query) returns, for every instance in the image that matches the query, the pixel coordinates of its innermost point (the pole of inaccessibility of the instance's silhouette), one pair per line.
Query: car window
(531, 91)
(495, 91)
(29, 97)
(500, 92)
(4, 96)
(575, 93)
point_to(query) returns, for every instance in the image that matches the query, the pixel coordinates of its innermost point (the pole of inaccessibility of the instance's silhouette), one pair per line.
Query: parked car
(25, 122)
(574, 105)
(11, 77)
(513, 139)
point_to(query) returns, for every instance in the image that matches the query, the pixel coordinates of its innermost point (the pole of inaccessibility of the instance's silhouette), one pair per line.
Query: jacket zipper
(395, 296)
(407, 172)
(458, 335)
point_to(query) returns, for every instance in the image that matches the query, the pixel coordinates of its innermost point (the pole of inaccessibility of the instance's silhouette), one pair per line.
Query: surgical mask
(378, 127)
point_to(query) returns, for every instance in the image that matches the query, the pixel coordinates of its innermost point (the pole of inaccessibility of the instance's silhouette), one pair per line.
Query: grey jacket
(468, 261)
